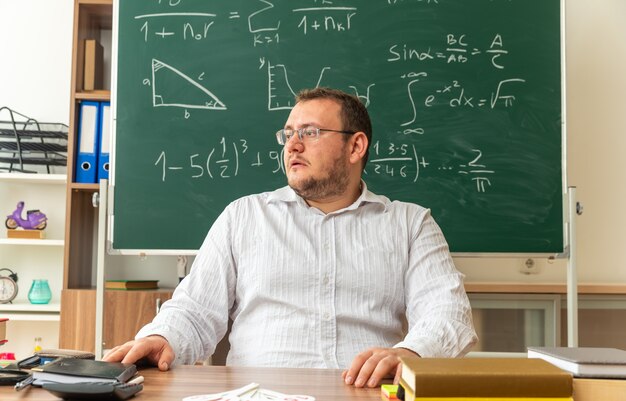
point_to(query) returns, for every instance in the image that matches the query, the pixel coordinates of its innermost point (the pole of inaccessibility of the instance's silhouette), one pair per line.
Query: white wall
(36, 54)
(597, 131)
(35, 73)
(35, 70)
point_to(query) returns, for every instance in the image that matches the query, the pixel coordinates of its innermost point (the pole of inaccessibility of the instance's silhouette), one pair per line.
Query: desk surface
(183, 381)
(323, 384)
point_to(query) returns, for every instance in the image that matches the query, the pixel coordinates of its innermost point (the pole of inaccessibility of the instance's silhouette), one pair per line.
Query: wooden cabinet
(124, 312)
(77, 327)
(78, 319)
(91, 18)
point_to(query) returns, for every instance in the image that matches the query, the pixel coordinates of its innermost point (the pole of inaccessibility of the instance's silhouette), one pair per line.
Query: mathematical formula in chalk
(231, 158)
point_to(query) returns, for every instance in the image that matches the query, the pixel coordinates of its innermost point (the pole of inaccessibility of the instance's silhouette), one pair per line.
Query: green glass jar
(39, 292)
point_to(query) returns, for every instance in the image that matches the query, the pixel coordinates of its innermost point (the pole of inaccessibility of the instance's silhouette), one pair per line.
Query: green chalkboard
(465, 98)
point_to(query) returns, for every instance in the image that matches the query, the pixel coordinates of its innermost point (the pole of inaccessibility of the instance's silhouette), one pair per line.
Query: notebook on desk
(584, 361)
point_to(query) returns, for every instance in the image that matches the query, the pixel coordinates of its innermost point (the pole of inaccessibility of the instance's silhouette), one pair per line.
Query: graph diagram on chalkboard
(465, 99)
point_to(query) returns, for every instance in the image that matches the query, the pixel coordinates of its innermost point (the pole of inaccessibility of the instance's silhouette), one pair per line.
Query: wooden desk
(183, 381)
(323, 384)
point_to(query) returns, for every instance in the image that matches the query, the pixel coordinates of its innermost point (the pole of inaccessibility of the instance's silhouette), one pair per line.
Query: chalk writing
(263, 34)
(166, 81)
(337, 19)
(184, 29)
(227, 159)
(172, 86)
(456, 49)
(280, 93)
(392, 2)
(454, 95)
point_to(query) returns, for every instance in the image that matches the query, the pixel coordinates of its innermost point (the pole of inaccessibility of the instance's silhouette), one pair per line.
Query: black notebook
(71, 370)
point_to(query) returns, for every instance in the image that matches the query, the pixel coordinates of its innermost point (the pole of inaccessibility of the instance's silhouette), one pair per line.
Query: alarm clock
(8, 286)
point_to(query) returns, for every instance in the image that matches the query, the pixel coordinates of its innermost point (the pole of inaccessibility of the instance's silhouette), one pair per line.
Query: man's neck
(341, 201)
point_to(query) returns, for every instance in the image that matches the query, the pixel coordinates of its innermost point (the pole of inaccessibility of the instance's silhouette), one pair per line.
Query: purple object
(35, 220)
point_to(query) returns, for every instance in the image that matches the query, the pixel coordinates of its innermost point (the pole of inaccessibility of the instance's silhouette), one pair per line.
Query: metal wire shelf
(24, 141)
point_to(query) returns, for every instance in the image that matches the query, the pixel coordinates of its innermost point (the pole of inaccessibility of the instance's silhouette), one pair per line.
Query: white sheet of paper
(250, 392)
(231, 395)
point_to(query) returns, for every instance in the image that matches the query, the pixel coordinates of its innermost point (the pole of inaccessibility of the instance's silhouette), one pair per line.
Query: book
(483, 377)
(492, 399)
(92, 78)
(584, 361)
(131, 284)
(74, 370)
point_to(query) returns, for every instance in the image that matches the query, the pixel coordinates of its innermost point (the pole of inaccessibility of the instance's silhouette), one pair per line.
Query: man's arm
(196, 318)
(438, 310)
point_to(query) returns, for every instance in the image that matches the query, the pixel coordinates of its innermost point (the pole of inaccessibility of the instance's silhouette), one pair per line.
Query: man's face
(320, 169)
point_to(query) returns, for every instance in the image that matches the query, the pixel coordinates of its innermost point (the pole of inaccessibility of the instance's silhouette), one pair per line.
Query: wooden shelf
(32, 242)
(28, 307)
(95, 95)
(87, 187)
(34, 178)
(96, 2)
(98, 12)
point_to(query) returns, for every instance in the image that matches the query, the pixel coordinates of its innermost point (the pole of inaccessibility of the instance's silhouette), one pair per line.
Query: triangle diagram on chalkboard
(173, 88)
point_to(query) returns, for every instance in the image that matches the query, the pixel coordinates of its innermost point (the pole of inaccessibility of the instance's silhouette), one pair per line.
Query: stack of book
(494, 379)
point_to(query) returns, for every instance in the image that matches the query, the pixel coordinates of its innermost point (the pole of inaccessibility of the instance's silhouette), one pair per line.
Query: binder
(87, 157)
(104, 140)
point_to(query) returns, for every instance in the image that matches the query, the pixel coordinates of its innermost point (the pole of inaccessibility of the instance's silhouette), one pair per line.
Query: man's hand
(373, 365)
(154, 349)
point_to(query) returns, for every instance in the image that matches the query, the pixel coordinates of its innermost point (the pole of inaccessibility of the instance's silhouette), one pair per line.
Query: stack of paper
(251, 392)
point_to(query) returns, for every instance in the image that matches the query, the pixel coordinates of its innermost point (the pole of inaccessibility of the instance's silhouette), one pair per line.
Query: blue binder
(87, 157)
(104, 140)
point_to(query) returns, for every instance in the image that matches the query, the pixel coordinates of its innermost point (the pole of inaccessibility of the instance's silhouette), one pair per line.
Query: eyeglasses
(309, 134)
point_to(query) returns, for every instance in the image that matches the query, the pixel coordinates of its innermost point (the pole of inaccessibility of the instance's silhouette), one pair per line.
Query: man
(321, 273)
